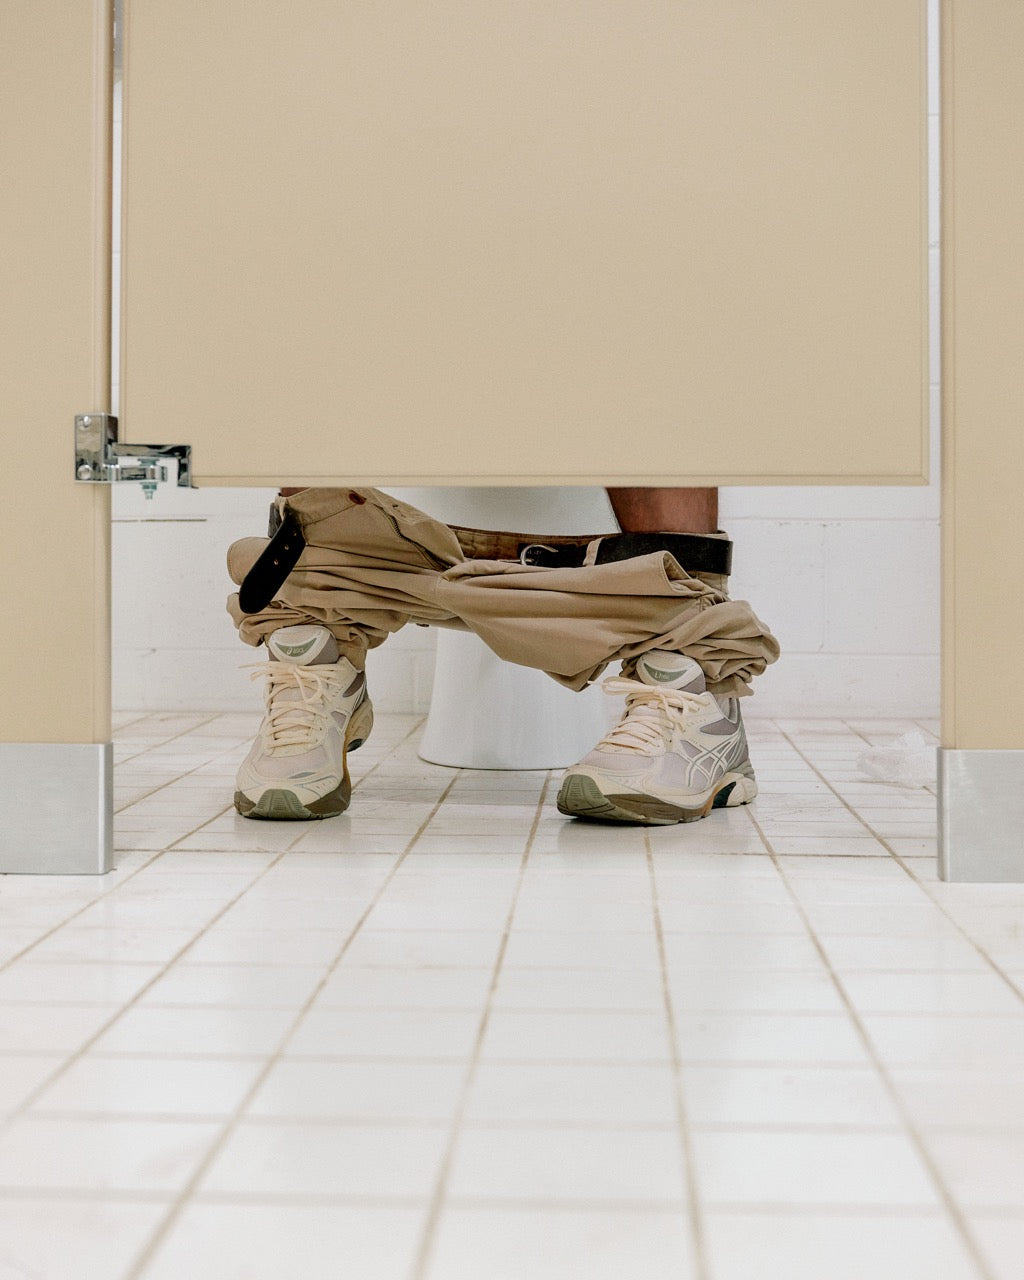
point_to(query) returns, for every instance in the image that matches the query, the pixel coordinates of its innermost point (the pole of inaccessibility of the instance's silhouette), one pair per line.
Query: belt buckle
(532, 554)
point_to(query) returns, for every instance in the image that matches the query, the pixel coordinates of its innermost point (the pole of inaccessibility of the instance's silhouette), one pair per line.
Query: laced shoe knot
(652, 714)
(298, 700)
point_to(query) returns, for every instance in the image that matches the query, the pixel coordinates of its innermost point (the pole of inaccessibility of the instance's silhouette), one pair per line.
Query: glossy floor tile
(452, 1034)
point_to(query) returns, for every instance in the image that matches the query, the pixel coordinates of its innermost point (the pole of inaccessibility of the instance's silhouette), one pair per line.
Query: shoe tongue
(303, 646)
(665, 669)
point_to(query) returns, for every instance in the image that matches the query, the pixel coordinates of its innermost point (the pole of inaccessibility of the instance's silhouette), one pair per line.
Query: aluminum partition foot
(981, 815)
(56, 808)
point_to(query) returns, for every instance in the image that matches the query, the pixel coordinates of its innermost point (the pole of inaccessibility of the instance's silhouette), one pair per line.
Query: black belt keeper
(694, 552)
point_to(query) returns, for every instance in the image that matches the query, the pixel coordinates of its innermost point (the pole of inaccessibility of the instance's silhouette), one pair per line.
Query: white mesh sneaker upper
(309, 699)
(675, 738)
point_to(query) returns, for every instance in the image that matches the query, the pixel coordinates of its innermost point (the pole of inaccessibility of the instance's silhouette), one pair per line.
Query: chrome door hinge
(100, 458)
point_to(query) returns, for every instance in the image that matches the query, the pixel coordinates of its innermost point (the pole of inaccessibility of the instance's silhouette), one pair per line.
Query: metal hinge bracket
(100, 458)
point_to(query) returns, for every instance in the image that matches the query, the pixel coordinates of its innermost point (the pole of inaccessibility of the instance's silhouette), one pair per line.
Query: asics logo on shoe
(663, 677)
(296, 650)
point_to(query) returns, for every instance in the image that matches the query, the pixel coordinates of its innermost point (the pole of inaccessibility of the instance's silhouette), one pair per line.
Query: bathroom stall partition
(55, 754)
(455, 243)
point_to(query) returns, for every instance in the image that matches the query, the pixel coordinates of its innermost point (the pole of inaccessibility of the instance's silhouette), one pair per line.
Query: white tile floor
(453, 1035)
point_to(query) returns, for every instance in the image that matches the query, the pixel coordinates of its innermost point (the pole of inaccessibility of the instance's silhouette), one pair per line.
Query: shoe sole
(581, 797)
(281, 805)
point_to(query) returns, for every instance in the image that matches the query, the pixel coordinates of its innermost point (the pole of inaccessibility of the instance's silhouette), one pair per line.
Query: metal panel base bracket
(56, 808)
(981, 816)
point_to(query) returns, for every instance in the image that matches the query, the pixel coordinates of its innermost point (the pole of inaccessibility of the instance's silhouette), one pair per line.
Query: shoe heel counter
(359, 725)
(731, 710)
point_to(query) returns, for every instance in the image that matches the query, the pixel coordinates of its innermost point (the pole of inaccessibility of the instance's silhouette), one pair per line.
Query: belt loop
(590, 558)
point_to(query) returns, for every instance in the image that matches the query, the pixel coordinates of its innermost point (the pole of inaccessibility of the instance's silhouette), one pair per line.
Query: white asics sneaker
(676, 754)
(317, 711)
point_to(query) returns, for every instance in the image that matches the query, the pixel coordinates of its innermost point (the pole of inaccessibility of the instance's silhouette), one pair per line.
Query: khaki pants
(372, 564)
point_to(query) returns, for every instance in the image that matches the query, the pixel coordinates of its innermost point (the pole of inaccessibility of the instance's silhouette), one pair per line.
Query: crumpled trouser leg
(372, 564)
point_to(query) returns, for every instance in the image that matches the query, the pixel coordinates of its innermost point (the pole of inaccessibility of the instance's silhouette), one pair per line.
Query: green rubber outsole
(581, 797)
(281, 805)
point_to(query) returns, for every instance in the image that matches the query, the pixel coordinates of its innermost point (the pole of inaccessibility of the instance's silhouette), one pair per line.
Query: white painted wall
(847, 578)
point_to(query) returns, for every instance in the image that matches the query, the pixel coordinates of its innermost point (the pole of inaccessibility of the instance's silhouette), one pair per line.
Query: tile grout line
(122, 812)
(926, 890)
(685, 1133)
(200, 719)
(275, 861)
(159, 1055)
(440, 1193)
(156, 855)
(908, 871)
(259, 1199)
(765, 1011)
(48, 933)
(955, 1215)
(160, 1232)
(84, 1048)
(172, 846)
(399, 1121)
(139, 717)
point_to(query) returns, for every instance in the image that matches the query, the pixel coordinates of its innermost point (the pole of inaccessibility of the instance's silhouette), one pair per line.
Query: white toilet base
(490, 714)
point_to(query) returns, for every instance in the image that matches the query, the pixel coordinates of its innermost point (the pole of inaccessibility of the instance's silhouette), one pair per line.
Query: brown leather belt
(694, 552)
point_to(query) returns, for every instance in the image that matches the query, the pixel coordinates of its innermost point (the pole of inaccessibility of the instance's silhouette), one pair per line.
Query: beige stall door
(527, 240)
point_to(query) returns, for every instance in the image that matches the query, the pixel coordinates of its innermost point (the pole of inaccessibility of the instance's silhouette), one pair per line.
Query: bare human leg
(654, 510)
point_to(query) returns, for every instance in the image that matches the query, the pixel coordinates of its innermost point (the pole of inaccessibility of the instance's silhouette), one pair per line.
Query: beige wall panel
(483, 240)
(54, 335)
(983, 372)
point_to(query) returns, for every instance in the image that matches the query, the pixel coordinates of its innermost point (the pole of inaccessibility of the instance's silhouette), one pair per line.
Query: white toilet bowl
(486, 713)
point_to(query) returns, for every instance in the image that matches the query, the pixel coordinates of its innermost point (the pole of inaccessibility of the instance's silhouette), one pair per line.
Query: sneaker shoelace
(651, 714)
(294, 722)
